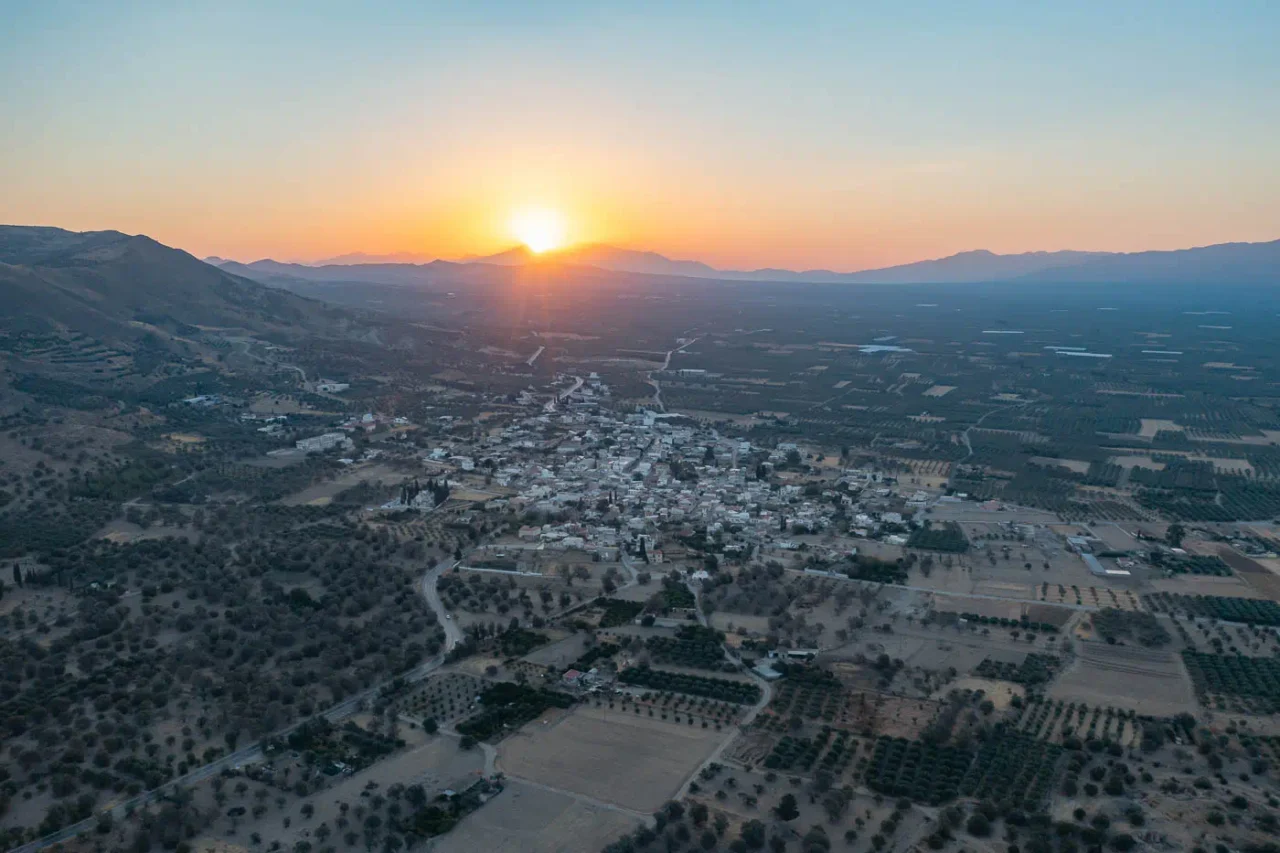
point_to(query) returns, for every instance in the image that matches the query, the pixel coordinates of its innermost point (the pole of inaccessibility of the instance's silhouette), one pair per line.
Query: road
(250, 754)
(534, 357)
(766, 693)
(666, 363)
(550, 405)
(247, 343)
(452, 633)
(964, 436)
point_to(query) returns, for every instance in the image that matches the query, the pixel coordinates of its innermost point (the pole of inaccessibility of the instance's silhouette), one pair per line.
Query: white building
(321, 443)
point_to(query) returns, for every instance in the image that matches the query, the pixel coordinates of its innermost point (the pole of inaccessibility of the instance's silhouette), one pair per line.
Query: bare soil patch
(1149, 681)
(615, 756)
(525, 818)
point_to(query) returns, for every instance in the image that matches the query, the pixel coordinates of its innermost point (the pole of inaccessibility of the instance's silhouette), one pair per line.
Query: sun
(541, 229)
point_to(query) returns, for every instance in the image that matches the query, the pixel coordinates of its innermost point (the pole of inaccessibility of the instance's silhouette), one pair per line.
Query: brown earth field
(526, 818)
(1253, 572)
(1149, 681)
(614, 756)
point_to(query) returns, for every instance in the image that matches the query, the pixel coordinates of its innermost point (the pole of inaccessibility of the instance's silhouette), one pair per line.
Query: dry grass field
(615, 756)
(525, 818)
(321, 494)
(1149, 681)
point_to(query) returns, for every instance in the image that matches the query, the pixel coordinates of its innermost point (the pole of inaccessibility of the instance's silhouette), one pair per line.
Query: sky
(842, 135)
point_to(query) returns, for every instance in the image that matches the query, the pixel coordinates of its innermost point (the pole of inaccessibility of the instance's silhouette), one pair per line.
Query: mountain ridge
(1243, 261)
(121, 287)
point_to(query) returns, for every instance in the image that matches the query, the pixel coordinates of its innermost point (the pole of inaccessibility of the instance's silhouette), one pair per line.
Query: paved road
(250, 754)
(452, 633)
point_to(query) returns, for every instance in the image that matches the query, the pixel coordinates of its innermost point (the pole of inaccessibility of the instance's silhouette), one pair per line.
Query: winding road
(666, 363)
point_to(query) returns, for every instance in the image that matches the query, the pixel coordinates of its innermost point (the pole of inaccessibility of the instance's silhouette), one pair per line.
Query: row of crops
(1234, 675)
(924, 772)
(1192, 564)
(792, 753)
(1251, 611)
(814, 694)
(693, 646)
(1003, 622)
(1012, 767)
(739, 692)
(1048, 719)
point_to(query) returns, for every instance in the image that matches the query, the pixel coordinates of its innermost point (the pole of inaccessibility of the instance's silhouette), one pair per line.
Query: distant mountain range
(1237, 263)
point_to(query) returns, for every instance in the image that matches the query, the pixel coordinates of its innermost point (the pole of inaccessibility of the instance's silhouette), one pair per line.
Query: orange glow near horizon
(540, 229)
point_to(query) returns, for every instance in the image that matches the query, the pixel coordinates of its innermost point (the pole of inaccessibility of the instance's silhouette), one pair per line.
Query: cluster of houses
(586, 478)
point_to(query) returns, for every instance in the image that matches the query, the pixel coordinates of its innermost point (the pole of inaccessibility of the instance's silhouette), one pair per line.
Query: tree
(753, 832)
(978, 826)
(17, 575)
(1173, 535)
(787, 808)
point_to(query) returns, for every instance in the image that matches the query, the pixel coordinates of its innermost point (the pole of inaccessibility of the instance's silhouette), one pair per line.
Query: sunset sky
(844, 135)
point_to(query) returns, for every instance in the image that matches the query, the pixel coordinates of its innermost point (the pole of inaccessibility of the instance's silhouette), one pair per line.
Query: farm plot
(1117, 626)
(443, 698)
(816, 697)
(1013, 766)
(614, 612)
(792, 753)
(1149, 681)
(924, 772)
(1196, 564)
(632, 761)
(692, 646)
(529, 819)
(680, 708)
(1234, 682)
(1250, 611)
(562, 654)
(1053, 720)
(721, 689)
(507, 706)
(810, 694)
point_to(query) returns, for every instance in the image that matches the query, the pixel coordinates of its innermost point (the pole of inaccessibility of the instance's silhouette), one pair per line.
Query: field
(443, 698)
(618, 757)
(322, 493)
(1148, 681)
(527, 818)
(436, 763)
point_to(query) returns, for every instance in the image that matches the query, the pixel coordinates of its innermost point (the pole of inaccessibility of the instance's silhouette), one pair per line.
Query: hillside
(118, 287)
